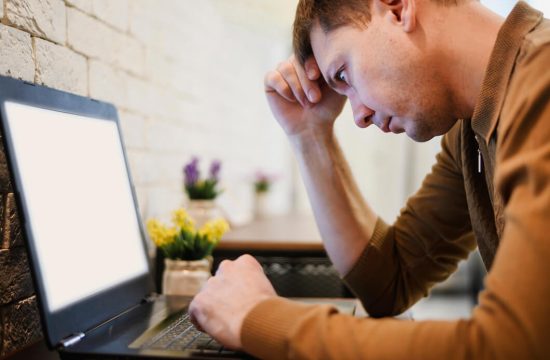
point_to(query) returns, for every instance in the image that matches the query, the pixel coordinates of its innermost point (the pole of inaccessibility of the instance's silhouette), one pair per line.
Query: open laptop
(85, 239)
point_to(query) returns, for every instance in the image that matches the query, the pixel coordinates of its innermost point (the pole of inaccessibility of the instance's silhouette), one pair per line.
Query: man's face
(389, 80)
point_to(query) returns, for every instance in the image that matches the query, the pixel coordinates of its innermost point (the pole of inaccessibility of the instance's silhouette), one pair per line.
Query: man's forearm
(345, 220)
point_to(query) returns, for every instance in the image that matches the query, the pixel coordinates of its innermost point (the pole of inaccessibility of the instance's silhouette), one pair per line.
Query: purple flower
(215, 168)
(191, 172)
(262, 177)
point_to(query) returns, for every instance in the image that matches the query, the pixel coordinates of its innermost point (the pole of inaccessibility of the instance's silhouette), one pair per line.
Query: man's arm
(306, 109)
(345, 220)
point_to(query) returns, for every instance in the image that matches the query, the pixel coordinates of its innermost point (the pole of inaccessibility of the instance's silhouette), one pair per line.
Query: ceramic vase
(186, 278)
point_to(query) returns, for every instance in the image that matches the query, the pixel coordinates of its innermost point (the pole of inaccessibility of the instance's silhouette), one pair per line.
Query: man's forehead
(321, 45)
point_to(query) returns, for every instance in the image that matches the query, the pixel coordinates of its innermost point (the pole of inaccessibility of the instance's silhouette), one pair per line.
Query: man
(412, 66)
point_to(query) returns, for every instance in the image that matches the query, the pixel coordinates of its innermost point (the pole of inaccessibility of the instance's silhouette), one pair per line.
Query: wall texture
(187, 79)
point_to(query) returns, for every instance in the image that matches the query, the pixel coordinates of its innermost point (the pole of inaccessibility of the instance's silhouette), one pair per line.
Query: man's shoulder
(527, 94)
(535, 43)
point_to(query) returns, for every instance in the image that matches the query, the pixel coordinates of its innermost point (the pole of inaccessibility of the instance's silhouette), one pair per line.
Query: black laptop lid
(77, 205)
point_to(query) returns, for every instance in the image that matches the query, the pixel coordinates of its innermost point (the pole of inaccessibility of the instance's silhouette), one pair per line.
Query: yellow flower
(213, 230)
(160, 234)
(181, 219)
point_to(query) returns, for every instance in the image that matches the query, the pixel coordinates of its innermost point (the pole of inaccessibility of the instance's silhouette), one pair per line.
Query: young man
(413, 66)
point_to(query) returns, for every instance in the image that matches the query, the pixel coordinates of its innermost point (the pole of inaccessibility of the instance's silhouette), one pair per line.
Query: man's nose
(361, 113)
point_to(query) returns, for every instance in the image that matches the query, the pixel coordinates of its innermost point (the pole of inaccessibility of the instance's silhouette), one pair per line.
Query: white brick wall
(60, 68)
(107, 83)
(43, 18)
(16, 54)
(96, 40)
(112, 12)
(134, 128)
(84, 5)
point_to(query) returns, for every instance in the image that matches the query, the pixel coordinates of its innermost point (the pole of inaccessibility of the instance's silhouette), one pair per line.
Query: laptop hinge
(71, 340)
(149, 298)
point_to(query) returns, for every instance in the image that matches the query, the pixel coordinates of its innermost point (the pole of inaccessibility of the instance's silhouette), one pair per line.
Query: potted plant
(262, 186)
(202, 191)
(187, 251)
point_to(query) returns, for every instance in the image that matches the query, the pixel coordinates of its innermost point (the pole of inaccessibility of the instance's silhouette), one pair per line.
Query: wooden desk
(286, 233)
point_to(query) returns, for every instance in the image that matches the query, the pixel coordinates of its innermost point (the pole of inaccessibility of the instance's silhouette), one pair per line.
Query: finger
(223, 266)
(195, 315)
(287, 70)
(312, 68)
(310, 86)
(250, 261)
(274, 82)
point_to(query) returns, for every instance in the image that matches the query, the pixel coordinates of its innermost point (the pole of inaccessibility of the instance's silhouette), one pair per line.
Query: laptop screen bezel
(89, 312)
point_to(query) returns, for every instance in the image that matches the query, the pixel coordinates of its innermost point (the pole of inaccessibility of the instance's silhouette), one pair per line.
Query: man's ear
(402, 12)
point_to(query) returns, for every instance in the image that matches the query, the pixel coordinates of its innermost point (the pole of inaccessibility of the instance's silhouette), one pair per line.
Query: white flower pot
(261, 205)
(185, 278)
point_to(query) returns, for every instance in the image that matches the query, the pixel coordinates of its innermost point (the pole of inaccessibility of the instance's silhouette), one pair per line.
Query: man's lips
(385, 126)
(389, 125)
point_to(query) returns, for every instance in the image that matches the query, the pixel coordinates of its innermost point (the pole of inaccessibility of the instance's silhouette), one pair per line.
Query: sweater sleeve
(512, 320)
(423, 247)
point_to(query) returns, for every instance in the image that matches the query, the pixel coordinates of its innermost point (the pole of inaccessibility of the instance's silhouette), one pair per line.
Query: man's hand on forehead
(312, 69)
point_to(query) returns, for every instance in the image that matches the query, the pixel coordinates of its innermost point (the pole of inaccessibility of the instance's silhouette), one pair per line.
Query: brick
(60, 68)
(139, 96)
(114, 13)
(15, 278)
(43, 18)
(12, 234)
(107, 83)
(163, 200)
(166, 136)
(133, 129)
(94, 39)
(84, 5)
(16, 54)
(150, 168)
(5, 181)
(143, 23)
(21, 325)
(164, 70)
(129, 54)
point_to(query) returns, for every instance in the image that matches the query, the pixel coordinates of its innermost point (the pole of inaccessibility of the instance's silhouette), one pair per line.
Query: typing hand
(222, 305)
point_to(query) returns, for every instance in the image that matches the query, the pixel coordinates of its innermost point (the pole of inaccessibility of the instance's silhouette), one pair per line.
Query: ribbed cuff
(372, 272)
(266, 327)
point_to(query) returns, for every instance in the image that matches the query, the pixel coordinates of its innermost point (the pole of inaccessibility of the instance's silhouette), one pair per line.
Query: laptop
(84, 235)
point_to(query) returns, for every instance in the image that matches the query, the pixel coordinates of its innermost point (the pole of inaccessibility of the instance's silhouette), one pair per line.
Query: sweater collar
(521, 21)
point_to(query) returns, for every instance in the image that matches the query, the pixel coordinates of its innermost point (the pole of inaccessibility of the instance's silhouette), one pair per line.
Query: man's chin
(419, 136)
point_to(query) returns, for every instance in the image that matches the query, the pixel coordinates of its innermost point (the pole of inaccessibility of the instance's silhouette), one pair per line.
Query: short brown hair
(332, 14)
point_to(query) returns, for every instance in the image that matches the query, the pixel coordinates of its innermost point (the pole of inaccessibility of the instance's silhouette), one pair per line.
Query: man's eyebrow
(331, 82)
(330, 79)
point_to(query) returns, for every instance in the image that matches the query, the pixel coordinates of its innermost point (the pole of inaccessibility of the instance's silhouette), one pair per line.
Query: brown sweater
(504, 209)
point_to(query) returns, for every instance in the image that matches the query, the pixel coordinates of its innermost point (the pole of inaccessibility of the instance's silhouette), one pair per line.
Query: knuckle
(285, 68)
(271, 77)
(224, 264)
(247, 258)
(250, 260)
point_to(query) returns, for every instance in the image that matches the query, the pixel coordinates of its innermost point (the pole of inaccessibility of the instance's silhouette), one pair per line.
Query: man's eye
(340, 76)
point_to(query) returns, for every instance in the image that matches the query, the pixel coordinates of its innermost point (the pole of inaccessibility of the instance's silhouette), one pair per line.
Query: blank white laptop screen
(80, 206)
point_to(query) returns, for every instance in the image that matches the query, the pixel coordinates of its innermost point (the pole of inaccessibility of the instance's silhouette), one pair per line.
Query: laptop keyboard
(182, 335)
